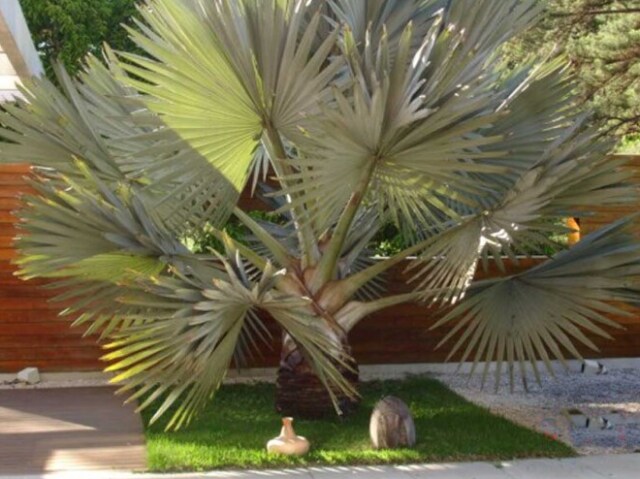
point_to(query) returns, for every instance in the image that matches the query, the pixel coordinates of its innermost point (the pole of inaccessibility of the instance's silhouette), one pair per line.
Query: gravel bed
(548, 407)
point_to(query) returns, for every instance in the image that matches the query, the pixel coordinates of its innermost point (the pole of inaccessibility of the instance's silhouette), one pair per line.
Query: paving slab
(619, 466)
(370, 472)
(465, 470)
(541, 468)
(48, 430)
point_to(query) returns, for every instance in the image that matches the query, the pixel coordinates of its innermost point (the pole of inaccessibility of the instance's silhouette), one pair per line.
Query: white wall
(18, 56)
(11, 12)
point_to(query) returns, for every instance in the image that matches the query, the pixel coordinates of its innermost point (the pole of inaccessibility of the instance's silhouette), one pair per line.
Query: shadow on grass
(233, 430)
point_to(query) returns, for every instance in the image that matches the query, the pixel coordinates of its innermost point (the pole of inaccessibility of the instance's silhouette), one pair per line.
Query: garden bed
(233, 430)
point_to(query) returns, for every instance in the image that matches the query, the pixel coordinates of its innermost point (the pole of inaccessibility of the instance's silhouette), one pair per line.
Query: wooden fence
(32, 333)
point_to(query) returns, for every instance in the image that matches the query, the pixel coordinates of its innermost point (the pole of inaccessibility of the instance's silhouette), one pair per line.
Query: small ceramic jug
(288, 443)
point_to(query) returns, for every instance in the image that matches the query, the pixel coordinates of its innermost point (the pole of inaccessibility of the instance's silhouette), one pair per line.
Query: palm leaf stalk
(365, 113)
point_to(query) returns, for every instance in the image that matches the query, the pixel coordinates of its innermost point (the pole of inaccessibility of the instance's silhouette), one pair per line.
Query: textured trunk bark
(301, 394)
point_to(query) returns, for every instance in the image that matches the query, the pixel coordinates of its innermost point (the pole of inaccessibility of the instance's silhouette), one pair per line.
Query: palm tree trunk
(301, 394)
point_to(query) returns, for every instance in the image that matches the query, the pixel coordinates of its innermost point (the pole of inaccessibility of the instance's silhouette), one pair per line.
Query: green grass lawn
(234, 429)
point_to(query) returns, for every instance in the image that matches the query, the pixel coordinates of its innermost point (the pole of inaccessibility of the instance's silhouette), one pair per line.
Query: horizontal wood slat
(15, 191)
(32, 334)
(77, 351)
(21, 168)
(6, 217)
(9, 204)
(8, 254)
(49, 328)
(22, 290)
(6, 241)
(37, 302)
(8, 316)
(63, 340)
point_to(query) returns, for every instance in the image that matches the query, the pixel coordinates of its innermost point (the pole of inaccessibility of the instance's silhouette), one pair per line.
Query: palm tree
(363, 113)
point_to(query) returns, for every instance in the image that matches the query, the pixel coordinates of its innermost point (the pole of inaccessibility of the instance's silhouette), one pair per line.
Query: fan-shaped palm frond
(193, 329)
(513, 213)
(94, 119)
(539, 313)
(93, 242)
(241, 66)
(388, 143)
(370, 20)
(88, 222)
(192, 58)
(50, 128)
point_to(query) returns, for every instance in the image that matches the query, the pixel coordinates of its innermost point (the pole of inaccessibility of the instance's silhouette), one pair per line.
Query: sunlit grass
(232, 432)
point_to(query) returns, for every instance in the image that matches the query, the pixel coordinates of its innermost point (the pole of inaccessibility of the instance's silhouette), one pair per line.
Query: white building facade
(18, 56)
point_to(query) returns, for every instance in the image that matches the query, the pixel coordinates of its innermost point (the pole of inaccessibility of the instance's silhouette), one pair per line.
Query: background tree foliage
(602, 41)
(69, 29)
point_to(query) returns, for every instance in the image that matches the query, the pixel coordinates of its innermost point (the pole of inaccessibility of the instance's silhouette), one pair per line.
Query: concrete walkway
(66, 429)
(622, 466)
